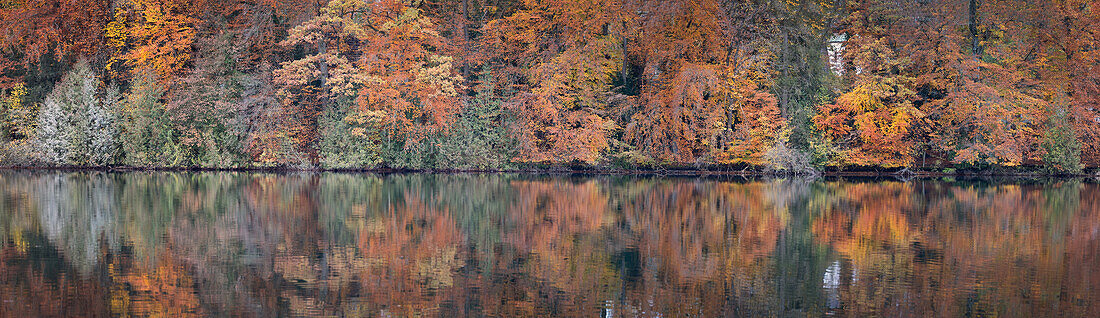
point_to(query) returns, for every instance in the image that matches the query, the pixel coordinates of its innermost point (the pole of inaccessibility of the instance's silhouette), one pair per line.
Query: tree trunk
(975, 41)
(465, 40)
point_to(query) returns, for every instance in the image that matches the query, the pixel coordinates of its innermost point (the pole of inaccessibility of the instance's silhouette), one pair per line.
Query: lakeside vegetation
(996, 86)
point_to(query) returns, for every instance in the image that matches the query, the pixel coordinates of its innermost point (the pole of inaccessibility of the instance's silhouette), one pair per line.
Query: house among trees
(835, 48)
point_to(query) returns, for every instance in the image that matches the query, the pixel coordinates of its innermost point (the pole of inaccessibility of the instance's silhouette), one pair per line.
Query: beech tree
(705, 83)
(476, 84)
(153, 34)
(386, 56)
(33, 29)
(572, 51)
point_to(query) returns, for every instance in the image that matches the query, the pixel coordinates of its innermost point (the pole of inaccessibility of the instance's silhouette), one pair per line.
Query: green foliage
(339, 147)
(148, 139)
(1063, 150)
(804, 80)
(399, 152)
(479, 139)
(75, 127)
(205, 108)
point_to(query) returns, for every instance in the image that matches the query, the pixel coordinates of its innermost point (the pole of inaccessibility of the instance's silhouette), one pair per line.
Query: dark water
(243, 244)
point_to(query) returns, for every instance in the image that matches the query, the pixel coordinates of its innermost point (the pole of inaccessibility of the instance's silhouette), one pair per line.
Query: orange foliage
(874, 124)
(154, 34)
(403, 73)
(573, 52)
(384, 54)
(705, 83)
(32, 28)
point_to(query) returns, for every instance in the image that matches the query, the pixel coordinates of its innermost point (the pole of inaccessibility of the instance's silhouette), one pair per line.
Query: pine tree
(66, 136)
(54, 133)
(101, 130)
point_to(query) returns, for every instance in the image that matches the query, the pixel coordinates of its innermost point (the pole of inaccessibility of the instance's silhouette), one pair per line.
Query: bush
(478, 140)
(340, 148)
(1063, 150)
(784, 159)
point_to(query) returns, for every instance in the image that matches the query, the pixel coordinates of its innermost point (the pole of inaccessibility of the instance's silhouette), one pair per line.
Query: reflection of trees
(955, 250)
(81, 218)
(697, 237)
(31, 285)
(511, 245)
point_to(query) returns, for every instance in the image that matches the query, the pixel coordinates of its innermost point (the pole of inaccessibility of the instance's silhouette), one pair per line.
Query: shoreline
(669, 172)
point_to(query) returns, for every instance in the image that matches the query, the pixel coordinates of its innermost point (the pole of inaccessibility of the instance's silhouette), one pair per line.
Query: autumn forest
(768, 85)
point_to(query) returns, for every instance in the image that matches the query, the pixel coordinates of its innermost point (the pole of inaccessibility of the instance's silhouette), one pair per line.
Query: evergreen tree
(54, 133)
(65, 137)
(102, 145)
(479, 138)
(146, 134)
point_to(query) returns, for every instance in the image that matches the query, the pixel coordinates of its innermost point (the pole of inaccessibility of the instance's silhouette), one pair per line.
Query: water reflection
(244, 244)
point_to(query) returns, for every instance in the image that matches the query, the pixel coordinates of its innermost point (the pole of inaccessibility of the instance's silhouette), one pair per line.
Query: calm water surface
(255, 244)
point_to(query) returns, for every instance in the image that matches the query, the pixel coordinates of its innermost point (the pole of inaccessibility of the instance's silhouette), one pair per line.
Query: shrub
(784, 159)
(1063, 150)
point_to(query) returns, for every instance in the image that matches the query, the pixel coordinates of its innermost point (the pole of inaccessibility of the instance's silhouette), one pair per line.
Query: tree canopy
(412, 84)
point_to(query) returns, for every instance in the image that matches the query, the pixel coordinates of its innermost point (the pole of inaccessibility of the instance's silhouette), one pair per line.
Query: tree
(153, 34)
(18, 116)
(147, 137)
(804, 78)
(404, 74)
(1071, 36)
(565, 55)
(102, 145)
(54, 132)
(873, 125)
(992, 112)
(874, 122)
(1061, 146)
(564, 117)
(386, 56)
(479, 139)
(205, 107)
(68, 117)
(705, 83)
(33, 29)
(350, 141)
(303, 84)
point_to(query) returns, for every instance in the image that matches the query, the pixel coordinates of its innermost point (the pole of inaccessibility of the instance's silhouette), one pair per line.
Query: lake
(507, 245)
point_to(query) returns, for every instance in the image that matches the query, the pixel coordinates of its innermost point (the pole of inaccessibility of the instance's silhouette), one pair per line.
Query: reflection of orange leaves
(413, 229)
(167, 289)
(411, 241)
(30, 290)
(693, 229)
(551, 211)
(1002, 242)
